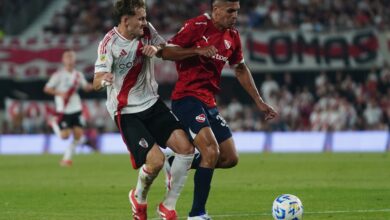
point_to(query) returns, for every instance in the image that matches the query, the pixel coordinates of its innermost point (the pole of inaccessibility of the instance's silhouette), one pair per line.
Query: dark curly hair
(126, 7)
(213, 1)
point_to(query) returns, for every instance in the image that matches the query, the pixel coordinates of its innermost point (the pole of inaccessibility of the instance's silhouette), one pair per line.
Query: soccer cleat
(139, 210)
(66, 163)
(165, 213)
(200, 217)
(167, 171)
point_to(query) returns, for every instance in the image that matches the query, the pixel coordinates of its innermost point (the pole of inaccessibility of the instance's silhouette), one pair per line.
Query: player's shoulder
(109, 36)
(234, 32)
(199, 22)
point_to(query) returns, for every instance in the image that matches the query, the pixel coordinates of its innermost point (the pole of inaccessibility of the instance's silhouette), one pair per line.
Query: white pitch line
(269, 214)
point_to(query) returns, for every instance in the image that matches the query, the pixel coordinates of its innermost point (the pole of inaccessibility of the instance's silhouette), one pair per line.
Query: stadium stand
(308, 100)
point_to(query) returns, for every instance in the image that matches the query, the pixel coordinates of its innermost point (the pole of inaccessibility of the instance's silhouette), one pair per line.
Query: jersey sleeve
(156, 38)
(237, 57)
(53, 81)
(188, 35)
(104, 58)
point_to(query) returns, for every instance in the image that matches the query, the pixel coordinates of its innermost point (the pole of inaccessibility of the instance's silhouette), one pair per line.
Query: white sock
(56, 128)
(69, 151)
(145, 180)
(179, 172)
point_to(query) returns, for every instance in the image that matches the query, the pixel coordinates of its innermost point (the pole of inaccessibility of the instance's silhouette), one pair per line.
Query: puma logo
(206, 38)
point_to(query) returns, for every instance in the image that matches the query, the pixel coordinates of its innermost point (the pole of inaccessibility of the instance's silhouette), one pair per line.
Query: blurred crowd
(94, 17)
(338, 104)
(330, 102)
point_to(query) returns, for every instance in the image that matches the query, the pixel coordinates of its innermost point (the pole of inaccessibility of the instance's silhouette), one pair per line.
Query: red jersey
(200, 76)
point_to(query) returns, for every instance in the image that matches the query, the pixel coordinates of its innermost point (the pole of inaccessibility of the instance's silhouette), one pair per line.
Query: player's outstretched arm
(102, 80)
(245, 78)
(178, 53)
(88, 87)
(53, 92)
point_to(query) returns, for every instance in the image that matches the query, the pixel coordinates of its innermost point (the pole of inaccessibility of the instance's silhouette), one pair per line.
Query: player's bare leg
(228, 156)
(147, 173)
(69, 151)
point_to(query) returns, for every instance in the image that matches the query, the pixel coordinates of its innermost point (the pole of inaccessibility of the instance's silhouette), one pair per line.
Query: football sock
(69, 151)
(195, 161)
(179, 173)
(145, 180)
(202, 181)
(56, 128)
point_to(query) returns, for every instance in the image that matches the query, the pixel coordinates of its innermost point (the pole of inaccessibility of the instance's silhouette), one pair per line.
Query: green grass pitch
(331, 186)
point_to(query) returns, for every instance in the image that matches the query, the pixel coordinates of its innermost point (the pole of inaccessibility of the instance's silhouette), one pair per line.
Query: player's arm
(85, 85)
(50, 87)
(52, 91)
(151, 50)
(245, 78)
(102, 80)
(174, 53)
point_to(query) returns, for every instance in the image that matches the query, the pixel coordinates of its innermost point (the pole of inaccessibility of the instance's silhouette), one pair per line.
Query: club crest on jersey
(200, 118)
(143, 143)
(227, 44)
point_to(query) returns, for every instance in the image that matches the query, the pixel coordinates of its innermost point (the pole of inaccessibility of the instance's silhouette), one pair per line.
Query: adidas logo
(123, 53)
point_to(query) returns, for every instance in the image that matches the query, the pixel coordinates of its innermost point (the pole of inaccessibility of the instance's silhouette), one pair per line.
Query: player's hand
(107, 79)
(149, 50)
(208, 51)
(63, 95)
(268, 111)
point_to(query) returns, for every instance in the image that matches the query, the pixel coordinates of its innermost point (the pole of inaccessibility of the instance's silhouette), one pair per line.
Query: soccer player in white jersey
(63, 85)
(125, 67)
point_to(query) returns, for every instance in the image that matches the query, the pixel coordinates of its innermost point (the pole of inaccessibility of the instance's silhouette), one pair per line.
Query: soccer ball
(287, 207)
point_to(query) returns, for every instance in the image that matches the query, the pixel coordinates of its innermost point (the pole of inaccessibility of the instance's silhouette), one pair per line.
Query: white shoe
(200, 217)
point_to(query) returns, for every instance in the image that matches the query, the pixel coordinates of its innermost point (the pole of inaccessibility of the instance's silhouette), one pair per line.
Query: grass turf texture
(331, 186)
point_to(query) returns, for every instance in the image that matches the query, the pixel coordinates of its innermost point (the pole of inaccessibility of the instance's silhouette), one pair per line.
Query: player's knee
(210, 156)
(186, 149)
(232, 161)
(65, 135)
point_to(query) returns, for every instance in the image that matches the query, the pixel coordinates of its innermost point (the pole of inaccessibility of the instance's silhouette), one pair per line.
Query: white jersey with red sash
(67, 82)
(134, 88)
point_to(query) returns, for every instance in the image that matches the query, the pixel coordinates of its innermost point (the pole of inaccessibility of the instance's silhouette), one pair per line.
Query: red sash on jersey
(128, 84)
(69, 94)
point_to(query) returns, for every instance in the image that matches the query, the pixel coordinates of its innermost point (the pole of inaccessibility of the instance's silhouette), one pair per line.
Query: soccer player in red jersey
(201, 49)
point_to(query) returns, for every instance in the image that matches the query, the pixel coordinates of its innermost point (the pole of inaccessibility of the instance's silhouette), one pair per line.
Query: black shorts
(195, 115)
(140, 131)
(67, 121)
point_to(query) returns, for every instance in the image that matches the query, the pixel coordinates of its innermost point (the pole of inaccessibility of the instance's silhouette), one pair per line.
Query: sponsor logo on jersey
(201, 23)
(200, 118)
(143, 143)
(228, 44)
(130, 64)
(220, 57)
